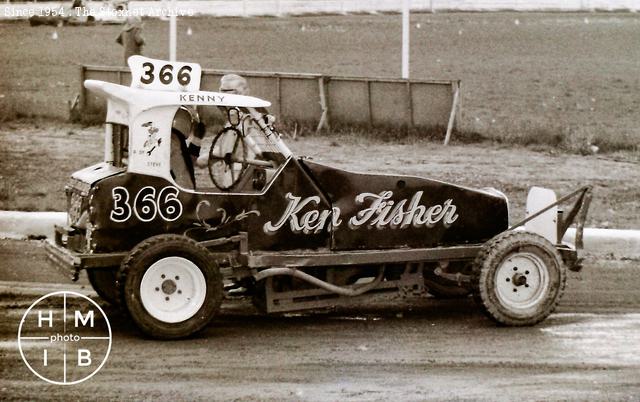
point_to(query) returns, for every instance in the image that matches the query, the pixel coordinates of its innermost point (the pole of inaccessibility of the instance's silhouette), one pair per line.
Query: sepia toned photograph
(320, 200)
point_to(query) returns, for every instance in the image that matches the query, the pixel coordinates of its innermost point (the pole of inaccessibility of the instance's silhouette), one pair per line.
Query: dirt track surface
(419, 349)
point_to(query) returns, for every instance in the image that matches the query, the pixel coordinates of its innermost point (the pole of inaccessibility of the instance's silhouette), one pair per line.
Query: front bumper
(71, 262)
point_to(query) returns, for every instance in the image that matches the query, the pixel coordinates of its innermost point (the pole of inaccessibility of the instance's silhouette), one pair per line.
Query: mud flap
(546, 225)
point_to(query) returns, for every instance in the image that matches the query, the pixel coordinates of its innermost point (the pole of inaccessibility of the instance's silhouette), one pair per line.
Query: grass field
(566, 81)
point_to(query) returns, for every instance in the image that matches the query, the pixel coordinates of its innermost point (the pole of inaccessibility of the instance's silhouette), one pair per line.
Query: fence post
(459, 112)
(369, 103)
(278, 96)
(83, 90)
(452, 115)
(406, 42)
(409, 105)
(324, 117)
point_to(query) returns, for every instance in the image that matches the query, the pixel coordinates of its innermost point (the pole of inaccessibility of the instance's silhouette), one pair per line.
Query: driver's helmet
(234, 83)
(185, 121)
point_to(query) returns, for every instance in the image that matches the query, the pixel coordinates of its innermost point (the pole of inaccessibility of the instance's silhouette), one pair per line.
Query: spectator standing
(131, 37)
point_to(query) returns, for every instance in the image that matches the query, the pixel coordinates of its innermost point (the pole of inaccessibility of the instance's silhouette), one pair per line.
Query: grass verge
(559, 80)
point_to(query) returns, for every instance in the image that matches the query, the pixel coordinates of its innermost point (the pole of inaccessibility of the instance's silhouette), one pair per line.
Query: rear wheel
(103, 281)
(171, 286)
(519, 278)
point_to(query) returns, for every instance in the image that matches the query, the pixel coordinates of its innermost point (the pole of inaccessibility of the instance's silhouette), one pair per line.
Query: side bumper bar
(310, 258)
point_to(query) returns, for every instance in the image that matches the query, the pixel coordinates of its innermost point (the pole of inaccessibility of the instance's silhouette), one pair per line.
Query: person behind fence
(131, 37)
(77, 6)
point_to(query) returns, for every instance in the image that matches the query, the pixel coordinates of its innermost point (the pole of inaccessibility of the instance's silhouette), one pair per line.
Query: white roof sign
(145, 98)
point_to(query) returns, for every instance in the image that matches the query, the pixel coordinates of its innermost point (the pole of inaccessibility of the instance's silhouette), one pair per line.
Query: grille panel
(77, 193)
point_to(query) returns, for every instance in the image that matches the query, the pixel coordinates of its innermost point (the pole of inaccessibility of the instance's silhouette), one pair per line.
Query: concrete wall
(297, 97)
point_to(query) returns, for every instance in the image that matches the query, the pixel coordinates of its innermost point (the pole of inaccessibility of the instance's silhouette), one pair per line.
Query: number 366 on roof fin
(162, 75)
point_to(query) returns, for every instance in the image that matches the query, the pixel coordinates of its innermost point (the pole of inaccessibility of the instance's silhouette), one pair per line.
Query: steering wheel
(228, 159)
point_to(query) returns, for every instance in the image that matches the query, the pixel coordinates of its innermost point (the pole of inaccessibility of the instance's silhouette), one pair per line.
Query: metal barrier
(325, 100)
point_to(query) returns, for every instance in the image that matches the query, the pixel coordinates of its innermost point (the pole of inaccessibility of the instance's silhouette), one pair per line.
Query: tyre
(103, 281)
(518, 278)
(443, 288)
(171, 286)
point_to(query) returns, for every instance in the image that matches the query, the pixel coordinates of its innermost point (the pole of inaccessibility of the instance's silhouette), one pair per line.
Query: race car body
(159, 236)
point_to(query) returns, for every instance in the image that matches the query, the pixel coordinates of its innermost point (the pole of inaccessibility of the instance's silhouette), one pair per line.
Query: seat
(181, 164)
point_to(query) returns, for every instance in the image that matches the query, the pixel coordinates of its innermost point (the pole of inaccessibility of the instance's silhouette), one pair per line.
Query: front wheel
(518, 278)
(171, 286)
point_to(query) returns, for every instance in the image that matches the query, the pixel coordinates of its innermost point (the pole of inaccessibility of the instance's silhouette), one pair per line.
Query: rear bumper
(71, 262)
(570, 257)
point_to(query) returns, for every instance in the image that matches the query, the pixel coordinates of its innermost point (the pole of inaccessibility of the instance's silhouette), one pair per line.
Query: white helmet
(234, 83)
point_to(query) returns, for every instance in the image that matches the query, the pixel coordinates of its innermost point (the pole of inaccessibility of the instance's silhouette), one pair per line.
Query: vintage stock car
(164, 235)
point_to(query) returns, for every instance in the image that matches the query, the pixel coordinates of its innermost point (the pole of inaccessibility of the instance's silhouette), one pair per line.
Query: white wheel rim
(522, 281)
(173, 289)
